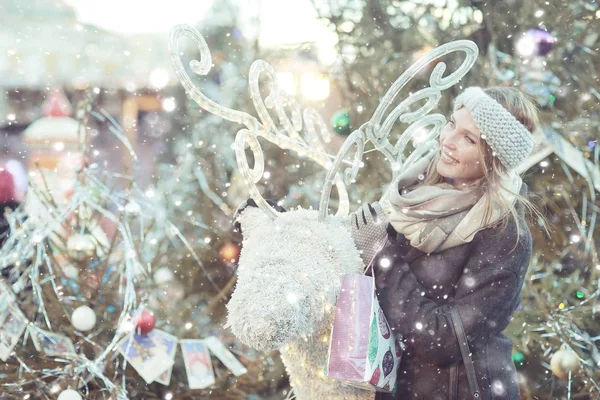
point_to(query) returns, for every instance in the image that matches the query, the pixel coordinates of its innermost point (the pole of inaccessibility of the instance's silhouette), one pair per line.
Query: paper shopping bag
(363, 351)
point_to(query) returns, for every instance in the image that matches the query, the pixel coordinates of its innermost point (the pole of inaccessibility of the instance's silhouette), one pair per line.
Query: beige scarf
(436, 218)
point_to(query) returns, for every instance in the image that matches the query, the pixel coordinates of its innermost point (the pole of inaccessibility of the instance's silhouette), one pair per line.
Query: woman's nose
(449, 140)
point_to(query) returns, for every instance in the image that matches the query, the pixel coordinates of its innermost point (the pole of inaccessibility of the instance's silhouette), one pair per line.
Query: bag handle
(370, 266)
(459, 329)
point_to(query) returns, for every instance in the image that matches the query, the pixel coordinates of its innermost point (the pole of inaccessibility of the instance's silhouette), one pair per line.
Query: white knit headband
(510, 141)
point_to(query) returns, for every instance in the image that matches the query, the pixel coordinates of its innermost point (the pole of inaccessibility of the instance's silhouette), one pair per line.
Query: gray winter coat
(482, 280)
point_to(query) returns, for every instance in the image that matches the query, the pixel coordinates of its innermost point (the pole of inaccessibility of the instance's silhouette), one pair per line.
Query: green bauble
(519, 359)
(340, 121)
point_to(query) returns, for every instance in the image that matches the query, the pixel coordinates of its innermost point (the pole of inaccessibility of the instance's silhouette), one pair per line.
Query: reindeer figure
(292, 264)
(288, 281)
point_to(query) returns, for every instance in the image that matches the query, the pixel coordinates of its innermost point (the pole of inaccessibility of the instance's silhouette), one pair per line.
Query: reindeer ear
(251, 219)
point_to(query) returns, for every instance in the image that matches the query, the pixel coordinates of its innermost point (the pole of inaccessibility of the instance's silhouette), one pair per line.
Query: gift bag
(363, 351)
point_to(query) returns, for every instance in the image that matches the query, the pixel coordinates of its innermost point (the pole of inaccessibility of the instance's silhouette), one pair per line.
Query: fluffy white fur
(289, 276)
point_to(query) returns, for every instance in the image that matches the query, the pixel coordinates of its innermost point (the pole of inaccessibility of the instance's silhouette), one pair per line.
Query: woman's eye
(469, 139)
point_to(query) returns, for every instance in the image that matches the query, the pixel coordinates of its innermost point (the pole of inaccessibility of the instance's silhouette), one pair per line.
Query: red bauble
(144, 322)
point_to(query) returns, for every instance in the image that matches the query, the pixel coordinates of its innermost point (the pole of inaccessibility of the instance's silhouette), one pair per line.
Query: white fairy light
(575, 238)
(59, 146)
(287, 82)
(159, 78)
(169, 104)
(526, 46)
(314, 87)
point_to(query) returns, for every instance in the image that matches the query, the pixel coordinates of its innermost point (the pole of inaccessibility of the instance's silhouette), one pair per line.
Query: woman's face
(459, 144)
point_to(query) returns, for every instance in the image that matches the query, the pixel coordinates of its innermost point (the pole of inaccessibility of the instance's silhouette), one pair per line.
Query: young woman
(456, 251)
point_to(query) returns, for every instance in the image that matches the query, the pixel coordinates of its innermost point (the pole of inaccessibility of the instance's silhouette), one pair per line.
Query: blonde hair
(523, 109)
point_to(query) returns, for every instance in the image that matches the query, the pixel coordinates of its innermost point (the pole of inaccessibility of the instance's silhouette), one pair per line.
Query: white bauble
(71, 271)
(69, 394)
(564, 361)
(83, 318)
(81, 247)
(163, 275)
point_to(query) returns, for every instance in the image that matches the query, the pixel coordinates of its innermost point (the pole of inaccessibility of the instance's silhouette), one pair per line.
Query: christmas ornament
(564, 361)
(71, 272)
(340, 121)
(69, 394)
(229, 253)
(536, 42)
(285, 258)
(81, 247)
(83, 318)
(163, 275)
(519, 359)
(144, 322)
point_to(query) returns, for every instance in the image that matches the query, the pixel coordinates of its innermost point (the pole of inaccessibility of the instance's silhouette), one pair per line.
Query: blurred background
(338, 57)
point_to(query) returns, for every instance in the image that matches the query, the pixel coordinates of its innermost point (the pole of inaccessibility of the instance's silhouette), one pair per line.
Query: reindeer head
(289, 276)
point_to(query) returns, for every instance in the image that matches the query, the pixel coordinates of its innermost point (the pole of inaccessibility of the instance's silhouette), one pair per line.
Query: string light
(287, 135)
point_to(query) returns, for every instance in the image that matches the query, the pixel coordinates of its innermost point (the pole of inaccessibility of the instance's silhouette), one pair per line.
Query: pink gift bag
(363, 350)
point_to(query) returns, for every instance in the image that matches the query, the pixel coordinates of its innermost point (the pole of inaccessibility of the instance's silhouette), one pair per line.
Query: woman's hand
(368, 226)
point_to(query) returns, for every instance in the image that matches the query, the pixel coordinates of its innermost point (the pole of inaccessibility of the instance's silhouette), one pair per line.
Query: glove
(368, 226)
(251, 203)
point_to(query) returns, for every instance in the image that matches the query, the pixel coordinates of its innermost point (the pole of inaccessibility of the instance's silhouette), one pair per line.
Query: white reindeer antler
(378, 132)
(288, 137)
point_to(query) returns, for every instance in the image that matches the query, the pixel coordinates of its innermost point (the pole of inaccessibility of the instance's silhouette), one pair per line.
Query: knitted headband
(510, 141)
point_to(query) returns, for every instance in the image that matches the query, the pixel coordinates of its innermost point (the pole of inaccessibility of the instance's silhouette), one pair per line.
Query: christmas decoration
(83, 318)
(53, 140)
(81, 247)
(563, 362)
(519, 359)
(274, 271)
(57, 105)
(144, 322)
(229, 253)
(340, 121)
(536, 42)
(69, 394)
(163, 275)
(71, 272)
